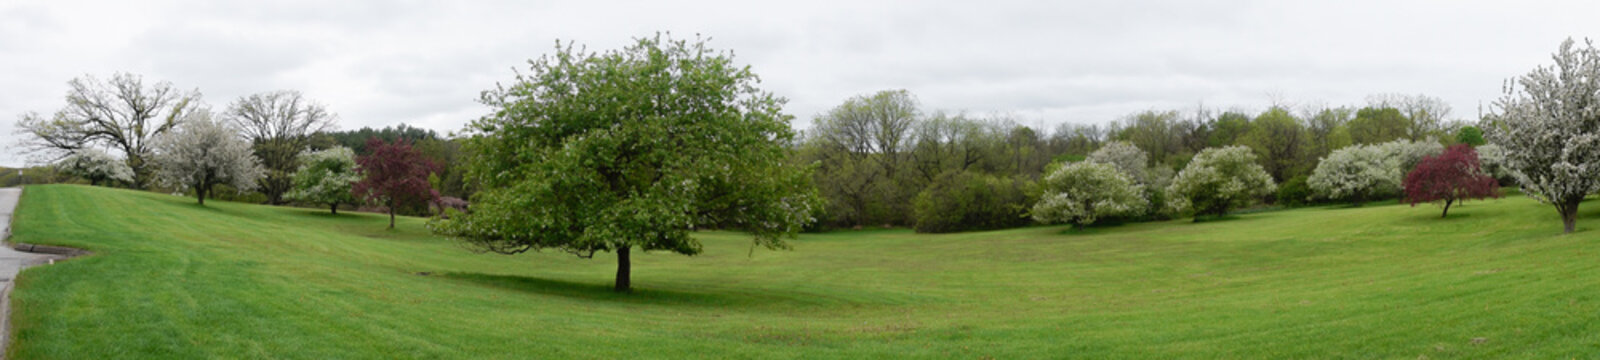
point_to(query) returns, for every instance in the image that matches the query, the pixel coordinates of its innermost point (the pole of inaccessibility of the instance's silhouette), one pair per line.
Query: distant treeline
(876, 155)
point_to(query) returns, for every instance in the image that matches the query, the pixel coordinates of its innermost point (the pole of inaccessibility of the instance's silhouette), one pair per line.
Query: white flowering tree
(1404, 155)
(325, 177)
(1083, 192)
(1493, 161)
(1125, 157)
(1548, 125)
(96, 166)
(200, 153)
(1220, 179)
(1357, 174)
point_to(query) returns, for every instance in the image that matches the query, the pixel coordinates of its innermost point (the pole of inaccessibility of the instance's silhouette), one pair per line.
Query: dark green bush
(1294, 192)
(963, 201)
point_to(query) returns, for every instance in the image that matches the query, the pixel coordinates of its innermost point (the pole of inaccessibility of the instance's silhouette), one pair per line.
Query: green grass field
(170, 279)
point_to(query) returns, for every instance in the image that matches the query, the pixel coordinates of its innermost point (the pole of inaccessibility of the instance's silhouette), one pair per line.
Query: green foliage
(865, 155)
(1081, 193)
(1280, 142)
(633, 148)
(1219, 179)
(1378, 125)
(325, 177)
(1470, 135)
(1295, 192)
(1228, 129)
(356, 140)
(964, 201)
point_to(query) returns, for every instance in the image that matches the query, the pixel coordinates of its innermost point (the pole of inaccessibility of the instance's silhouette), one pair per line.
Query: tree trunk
(624, 268)
(1446, 208)
(200, 192)
(1569, 213)
(334, 207)
(391, 215)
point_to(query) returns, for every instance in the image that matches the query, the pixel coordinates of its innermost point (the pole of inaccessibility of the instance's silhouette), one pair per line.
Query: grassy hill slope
(170, 279)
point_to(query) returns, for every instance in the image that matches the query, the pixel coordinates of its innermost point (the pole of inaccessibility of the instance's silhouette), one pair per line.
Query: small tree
(1356, 173)
(326, 177)
(96, 166)
(1083, 192)
(396, 175)
(1220, 179)
(1550, 130)
(200, 153)
(1450, 177)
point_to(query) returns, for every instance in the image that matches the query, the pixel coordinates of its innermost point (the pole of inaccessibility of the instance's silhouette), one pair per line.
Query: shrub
(1081, 193)
(961, 201)
(1356, 174)
(1219, 179)
(1295, 192)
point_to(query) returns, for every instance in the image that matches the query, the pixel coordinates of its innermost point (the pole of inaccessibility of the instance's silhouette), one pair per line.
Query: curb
(48, 249)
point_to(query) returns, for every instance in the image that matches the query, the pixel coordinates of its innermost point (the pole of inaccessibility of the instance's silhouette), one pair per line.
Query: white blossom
(1083, 192)
(1549, 129)
(96, 166)
(201, 152)
(1219, 179)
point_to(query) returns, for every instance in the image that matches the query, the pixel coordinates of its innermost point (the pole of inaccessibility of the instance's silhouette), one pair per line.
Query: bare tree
(279, 125)
(1427, 113)
(121, 113)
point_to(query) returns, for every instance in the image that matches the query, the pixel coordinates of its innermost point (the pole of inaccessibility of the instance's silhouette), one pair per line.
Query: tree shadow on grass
(641, 295)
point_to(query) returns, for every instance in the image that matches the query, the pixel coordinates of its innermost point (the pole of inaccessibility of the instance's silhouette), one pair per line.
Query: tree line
(884, 160)
(272, 147)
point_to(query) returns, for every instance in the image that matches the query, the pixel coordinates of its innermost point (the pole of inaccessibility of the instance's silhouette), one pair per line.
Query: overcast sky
(423, 63)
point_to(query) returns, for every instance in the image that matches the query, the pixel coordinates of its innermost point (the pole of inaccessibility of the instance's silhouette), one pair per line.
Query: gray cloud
(380, 63)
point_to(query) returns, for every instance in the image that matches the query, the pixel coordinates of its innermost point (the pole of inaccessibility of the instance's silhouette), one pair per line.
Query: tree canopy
(1450, 177)
(1220, 179)
(1357, 174)
(631, 148)
(395, 175)
(200, 153)
(326, 177)
(1081, 193)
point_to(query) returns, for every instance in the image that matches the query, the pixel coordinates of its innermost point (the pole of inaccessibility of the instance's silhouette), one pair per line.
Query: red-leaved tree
(397, 175)
(1449, 177)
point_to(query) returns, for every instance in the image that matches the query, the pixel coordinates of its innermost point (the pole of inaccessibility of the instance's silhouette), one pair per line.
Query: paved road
(11, 262)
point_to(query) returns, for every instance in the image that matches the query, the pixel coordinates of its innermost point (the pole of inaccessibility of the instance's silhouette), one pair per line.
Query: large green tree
(1374, 125)
(632, 148)
(1281, 142)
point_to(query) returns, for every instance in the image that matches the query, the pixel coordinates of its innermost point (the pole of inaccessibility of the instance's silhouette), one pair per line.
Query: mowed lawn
(170, 279)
